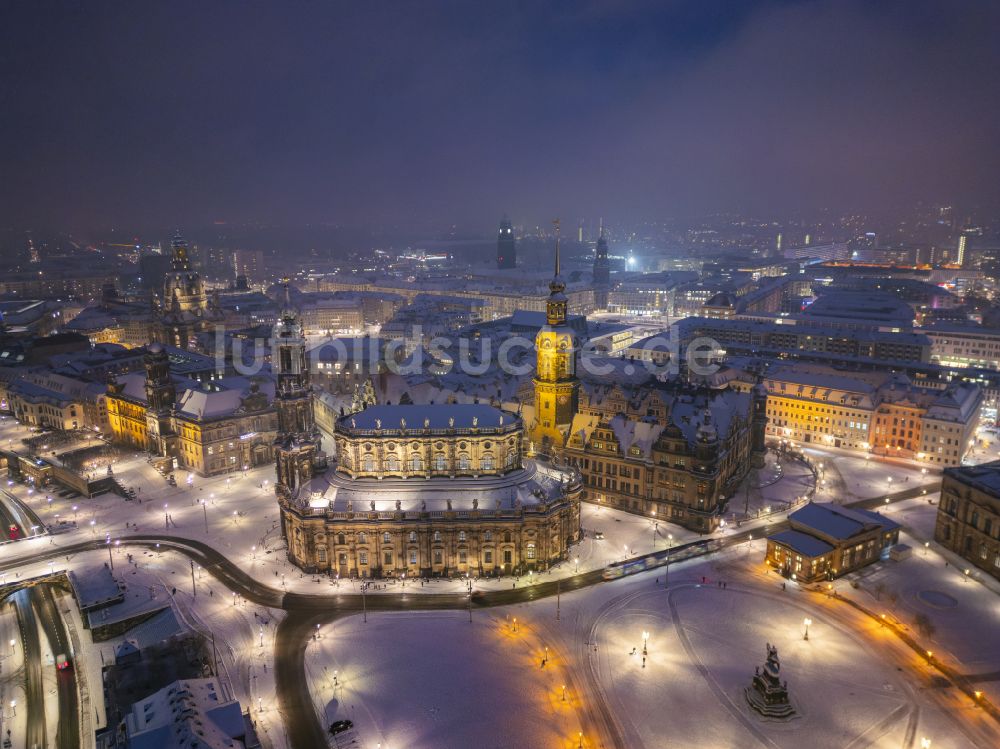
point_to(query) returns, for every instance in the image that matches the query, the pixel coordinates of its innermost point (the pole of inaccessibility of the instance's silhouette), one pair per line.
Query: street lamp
(576, 564)
(13, 707)
(807, 621)
(645, 642)
(925, 743)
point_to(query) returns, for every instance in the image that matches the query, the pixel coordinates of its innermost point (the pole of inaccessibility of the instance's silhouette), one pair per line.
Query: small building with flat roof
(828, 540)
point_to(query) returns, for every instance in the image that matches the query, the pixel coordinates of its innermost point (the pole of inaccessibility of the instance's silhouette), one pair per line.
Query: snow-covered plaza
(853, 682)
(566, 671)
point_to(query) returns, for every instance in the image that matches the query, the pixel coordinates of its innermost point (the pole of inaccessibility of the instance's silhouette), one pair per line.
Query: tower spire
(556, 224)
(555, 307)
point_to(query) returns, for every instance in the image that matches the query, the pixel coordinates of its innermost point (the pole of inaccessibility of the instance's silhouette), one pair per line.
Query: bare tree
(924, 625)
(893, 597)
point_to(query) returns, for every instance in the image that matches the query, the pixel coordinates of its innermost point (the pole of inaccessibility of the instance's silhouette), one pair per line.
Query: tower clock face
(563, 400)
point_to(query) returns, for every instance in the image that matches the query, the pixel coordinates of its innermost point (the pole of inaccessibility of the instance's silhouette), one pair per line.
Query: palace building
(209, 428)
(673, 453)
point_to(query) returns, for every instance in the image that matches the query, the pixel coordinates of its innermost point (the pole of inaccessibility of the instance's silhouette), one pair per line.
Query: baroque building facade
(968, 517)
(432, 490)
(208, 428)
(672, 453)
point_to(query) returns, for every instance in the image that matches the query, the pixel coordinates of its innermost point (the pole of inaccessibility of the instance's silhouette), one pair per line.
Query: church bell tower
(296, 450)
(556, 386)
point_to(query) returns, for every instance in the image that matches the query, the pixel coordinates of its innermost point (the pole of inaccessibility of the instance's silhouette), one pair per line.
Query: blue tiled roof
(441, 416)
(838, 522)
(802, 543)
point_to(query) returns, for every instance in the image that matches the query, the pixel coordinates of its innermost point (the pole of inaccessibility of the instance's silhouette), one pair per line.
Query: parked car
(340, 726)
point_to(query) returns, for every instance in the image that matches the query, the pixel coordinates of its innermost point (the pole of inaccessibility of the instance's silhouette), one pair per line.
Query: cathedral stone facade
(418, 490)
(432, 490)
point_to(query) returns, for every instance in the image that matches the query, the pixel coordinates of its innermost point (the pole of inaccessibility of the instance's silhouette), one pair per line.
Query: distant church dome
(722, 299)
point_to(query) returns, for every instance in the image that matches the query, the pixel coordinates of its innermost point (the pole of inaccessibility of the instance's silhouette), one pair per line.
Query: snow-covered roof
(203, 404)
(531, 485)
(189, 713)
(985, 477)
(95, 587)
(435, 417)
(802, 543)
(161, 626)
(838, 522)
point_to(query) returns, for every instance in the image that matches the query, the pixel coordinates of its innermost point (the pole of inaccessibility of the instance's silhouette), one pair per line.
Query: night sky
(157, 114)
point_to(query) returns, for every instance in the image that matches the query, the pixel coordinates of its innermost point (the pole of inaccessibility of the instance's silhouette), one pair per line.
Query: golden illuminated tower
(556, 385)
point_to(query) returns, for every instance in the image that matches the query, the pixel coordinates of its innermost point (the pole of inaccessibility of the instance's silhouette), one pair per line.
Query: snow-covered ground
(11, 674)
(435, 679)
(849, 477)
(411, 680)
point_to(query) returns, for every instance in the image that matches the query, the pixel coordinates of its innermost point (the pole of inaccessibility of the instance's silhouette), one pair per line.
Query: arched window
(392, 463)
(413, 537)
(506, 537)
(488, 536)
(437, 536)
(461, 536)
(439, 462)
(341, 539)
(511, 459)
(362, 538)
(416, 463)
(487, 462)
(529, 551)
(386, 538)
(463, 462)
(368, 463)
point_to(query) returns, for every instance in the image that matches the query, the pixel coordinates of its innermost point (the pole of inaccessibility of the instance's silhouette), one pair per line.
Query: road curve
(305, 611)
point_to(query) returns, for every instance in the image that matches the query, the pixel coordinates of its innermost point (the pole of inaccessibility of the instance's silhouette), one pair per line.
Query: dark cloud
(323, 112)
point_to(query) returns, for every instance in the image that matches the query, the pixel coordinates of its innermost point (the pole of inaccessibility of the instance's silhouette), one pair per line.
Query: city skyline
(267, 114)
(573, 374)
